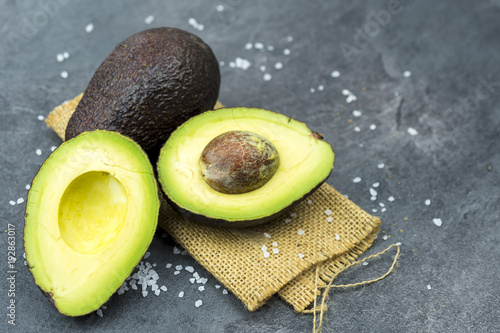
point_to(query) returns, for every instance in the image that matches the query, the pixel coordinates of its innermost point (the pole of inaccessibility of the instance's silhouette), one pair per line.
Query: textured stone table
(425, 79)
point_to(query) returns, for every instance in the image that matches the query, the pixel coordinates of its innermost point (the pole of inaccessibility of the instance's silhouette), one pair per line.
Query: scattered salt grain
(192, 22)
(328, 212)
(201, 288)
(176, 250)
(391, 198)
(217, 286)
(351, 98)
(286, 51)
(192, 280)
(53, 148)
(381, 166)
(222, 63)
(406, 73)
(181, 294)
(288, 220)
(356, 113)
(357, 129)
(38, 152)
(365, 263)
(262, 68)
(12, 202)
(278, 65)
(427, 202)
(312, 90)
(276, 251)
(41, 118)
(89, 28)
(190, 269)
(373, 192)
(346, 92)
(429, 287)
(146, 255)
(381, 204)
(178, 267)
(373, 127)
(266, 254)
(301, 232)
(309, 202)
(289, 39)
(65, 55)
(157, 292)
(275, 244)
(184, 253)
(60, 57)
(149, 19)
(99, 313)
(437, 222)
(240, 63)
(177, 272)
(329, 219)
(267, 77)
(383, 209)
(321, 87)
(169, 265)
(375, 185)
(267, 235)
(144, 293)
(224, 292)
(301, 256)
(293, 214)
(412, 131)
(356, 180)
(20, 201)
(337, 237)
(270, 48)
(259, 46)
(64, 74)
(248, 46)
(264, 248)
(374, 210)
(385, 237)
(373, 198)
(220, 8)
(335, 74)
(163, 288)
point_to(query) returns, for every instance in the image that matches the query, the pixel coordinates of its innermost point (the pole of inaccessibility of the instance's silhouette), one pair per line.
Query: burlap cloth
(305, 249)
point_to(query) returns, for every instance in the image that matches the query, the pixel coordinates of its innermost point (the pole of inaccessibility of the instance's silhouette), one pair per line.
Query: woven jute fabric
(318, 238)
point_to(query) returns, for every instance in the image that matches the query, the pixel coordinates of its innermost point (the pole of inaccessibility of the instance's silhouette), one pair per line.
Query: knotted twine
(306, 250)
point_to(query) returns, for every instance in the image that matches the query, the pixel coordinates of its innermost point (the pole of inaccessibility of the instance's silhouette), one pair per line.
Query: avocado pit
(238, 162)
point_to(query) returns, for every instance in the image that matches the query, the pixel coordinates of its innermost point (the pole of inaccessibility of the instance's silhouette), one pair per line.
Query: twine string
(317, 323)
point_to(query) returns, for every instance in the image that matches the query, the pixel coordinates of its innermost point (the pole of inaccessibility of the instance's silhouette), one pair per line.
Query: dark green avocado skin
(150, 84)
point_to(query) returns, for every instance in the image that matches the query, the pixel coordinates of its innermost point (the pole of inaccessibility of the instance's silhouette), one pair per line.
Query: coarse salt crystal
(286, 51)
(220, 8)
(329, 219)
(335, 74)
(224, 292)
(40, 117)
(278, 65)
(374, 210)
(28, 186)
(177, 272)
(437, 222)
(178, 267)
(346, 92)
(217, 286)
(288, 220)
(375, 185)
(309, 202)
(275, 244)
(301, 256)
(391, 198)
(201, 288)
(276, 251)
(365, 263)
(38, 152)
(270, 48)
(373, 192)
(157, 292)
(259, 46)
(301, 232)
(381, 204)
(381, 165)
(385, 237)
(248, 46)
(356, 113)
(66, 55)
(429, 287)
(20, 201)
(373, 198)
(293, 214)
(163, 288)
(176, 250)
(373, 127)
(64, 74)
(190, 269)
(12, 202)
(60, 57)
(169, 265)
(149, 19)
(181, 294)
(192, 280)
(406, 73)
(264, 248)
(146, 255)
(312, 90)
(267, 77)
(357, 129)
(144, 293)
(412, 131)
(262, 68)
(53, 148)
(289, 39)
(99, 313)
(89, 28)
(266, 254)
(351, 98)
(337, 236)
(328, 212)
(267, 235)
(356, 180)
(321, 87)
(427, 202)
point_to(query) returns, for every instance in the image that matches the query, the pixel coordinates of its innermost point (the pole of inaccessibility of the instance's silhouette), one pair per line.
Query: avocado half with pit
(240, 167)
(90, 216)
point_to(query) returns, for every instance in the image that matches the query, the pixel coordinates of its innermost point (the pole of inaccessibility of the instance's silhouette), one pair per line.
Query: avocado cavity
(238, 162)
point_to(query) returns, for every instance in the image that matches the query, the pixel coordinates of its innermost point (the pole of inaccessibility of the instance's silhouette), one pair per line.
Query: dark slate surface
(451, 48)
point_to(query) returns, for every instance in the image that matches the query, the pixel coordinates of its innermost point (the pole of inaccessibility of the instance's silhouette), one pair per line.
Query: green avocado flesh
(305, 161)
(90, 216)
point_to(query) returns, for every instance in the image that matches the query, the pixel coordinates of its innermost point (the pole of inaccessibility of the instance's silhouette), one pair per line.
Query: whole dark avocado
(151, 83)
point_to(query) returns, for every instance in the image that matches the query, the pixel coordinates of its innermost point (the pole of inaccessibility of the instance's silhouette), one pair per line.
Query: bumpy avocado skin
(150, 84)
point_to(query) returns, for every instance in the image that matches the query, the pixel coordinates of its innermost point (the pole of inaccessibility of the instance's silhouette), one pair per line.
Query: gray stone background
(447, 278)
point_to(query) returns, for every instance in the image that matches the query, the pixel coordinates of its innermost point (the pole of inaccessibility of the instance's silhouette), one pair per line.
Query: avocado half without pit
(91, 214)
(240, 167)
